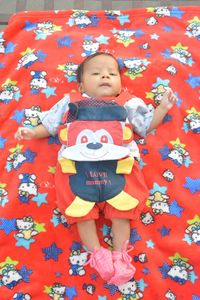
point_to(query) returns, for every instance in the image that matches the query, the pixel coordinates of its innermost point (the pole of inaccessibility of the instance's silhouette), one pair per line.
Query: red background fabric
(41, 261)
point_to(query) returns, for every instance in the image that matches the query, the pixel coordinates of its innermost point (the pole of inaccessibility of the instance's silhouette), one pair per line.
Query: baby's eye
(95, 73)
(113, 74)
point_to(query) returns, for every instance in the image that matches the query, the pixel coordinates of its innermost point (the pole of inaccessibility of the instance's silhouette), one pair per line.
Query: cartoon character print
(10, 276)
(45, 27)
(147, 218)
(162, 11)
(42, 29)
(107, 235)
(159, 202)
(89, 288)
(18, 157)
(158, 89)
(89, 47)
(80, 19)
(32, 116)
(192, 121)
(124, 36)
(2, 46)
(21, 296)
(192, 232)
(130, 291)
(151, 21)
(177, 153)
(38, 81)
(135, 67)
(3, 194)
(59, 218)
(180, 270)
(145, 46)
(181, 54)
(69, 70)
(193, 29)
(57, 291)
(9, 92)
(170, 295)
(29, 57)
(112, 14)
(27, 187)
(171, 69)
(26, 228)
(141, 257)
(77, 260)
(168, 175)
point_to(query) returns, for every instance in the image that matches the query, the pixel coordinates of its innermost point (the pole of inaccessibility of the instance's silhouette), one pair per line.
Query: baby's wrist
(163, 107)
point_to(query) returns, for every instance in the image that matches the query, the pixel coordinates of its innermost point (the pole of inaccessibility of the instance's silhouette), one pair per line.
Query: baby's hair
(80, 70)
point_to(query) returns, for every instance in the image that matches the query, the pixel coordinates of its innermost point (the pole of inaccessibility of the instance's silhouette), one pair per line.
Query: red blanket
(41, 256)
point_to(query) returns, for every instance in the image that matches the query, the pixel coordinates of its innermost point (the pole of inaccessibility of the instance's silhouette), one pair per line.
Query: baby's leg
(121, 232)
(100, 258)
(88, 234)
(123, 269)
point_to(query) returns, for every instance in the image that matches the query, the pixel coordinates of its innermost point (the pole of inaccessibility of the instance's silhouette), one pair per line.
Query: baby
(97, 170)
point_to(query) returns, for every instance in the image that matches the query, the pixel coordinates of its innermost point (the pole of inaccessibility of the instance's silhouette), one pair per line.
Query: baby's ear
(63, 134)
(80, 88)
(127, 134)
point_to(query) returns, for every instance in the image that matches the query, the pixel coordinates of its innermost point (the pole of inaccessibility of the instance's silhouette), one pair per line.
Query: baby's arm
(32, 133)
(167, 102)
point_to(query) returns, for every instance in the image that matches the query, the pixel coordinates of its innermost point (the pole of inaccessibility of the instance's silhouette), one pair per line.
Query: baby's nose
(105, 75)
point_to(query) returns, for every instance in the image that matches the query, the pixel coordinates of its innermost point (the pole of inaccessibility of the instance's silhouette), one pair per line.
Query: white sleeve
(140, 115)
(52, 118)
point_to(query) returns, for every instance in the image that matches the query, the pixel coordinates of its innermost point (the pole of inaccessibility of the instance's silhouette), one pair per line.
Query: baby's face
(101, 77)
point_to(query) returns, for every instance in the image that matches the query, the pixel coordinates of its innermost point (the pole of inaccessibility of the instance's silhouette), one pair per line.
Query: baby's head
(99, 75)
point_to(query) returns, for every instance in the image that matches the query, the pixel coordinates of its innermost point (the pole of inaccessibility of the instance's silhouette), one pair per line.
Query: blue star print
(71, 292)
(10, 48)
(40, 199)
(164, 231)
(7, 225)
(18, 116)
(25, 273)
(134, 236)
(102, 39)
(138, 33)
(123, 19)
(192, 184)
(176, 12)
(2, 142)
(65, 41)
(29, 26)
(52, 252)
(193, 81)
(176, 209)
(49, 91)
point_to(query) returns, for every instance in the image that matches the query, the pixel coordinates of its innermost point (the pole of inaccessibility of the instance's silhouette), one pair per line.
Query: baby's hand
(168, 99)
(24, 133)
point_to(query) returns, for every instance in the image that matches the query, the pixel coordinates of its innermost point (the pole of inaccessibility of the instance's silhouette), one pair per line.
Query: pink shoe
(101, 260)
(124, 270)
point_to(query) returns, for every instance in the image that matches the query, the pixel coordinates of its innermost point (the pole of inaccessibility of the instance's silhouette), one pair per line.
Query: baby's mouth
(105, 84)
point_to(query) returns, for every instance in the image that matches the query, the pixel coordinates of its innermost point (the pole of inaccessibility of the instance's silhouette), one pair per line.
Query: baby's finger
(173, 98)
(20, 133)
(17, 135)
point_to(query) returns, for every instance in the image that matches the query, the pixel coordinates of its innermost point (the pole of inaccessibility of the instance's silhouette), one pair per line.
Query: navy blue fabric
(104, 113)
(96, 181)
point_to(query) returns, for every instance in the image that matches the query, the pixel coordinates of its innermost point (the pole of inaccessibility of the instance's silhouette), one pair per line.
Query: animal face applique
(96, 134)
